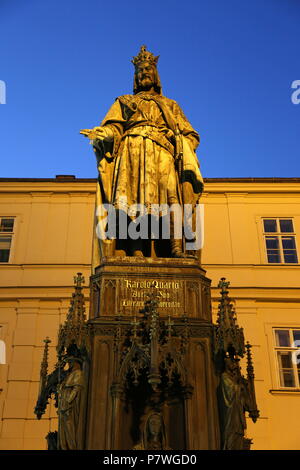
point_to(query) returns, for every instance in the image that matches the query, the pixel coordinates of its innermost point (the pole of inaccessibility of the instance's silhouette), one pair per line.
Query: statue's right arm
(107, 137)
(113, 123)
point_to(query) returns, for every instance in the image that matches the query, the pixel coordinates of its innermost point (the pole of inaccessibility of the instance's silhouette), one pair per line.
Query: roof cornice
(73, 179)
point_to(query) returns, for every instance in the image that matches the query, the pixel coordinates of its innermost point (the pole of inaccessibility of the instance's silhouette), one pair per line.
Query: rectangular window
(6, 236)
(287, 350)
(280, 241)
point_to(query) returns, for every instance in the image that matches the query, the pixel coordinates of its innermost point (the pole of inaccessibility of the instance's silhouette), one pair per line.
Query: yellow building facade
(251, 237)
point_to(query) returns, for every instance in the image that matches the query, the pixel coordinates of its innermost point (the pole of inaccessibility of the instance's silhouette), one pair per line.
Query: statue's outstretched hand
(99, 133)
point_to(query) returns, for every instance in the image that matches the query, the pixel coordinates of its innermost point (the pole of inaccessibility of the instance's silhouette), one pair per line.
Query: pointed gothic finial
(135, 325)
(44, 363)
(44, 366)
(151, 303)
(79, 280)
(250, 368)
(169, 326)
(253, 410)
(154, 322)
(229, 338)
(223, 285)
(74, 330)
(42, 403)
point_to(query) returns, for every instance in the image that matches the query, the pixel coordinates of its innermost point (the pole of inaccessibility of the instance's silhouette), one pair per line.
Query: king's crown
(145, 56)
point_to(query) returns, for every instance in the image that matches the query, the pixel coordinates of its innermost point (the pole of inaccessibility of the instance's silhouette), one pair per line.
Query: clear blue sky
(228, 63)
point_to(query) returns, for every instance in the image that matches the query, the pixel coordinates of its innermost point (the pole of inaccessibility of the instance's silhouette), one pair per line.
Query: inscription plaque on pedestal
(120, 287)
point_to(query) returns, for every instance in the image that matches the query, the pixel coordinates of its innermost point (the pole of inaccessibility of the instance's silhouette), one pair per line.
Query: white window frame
(8, 234)
(286, 349)
(279, 235)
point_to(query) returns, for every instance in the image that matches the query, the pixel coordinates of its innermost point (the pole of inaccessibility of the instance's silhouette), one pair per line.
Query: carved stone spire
(74, 330)
(250, 369)
(44, 363)
(229, 338)
(253, 410)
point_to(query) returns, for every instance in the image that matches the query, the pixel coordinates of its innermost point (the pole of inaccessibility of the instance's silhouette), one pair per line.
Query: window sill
(285, 391)
(276, 265)
(282, 264)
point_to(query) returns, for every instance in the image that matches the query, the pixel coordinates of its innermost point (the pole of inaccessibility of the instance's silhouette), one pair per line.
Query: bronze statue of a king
(145, 149)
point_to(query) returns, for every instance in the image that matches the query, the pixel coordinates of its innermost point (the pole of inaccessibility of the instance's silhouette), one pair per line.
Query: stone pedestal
(119, 288)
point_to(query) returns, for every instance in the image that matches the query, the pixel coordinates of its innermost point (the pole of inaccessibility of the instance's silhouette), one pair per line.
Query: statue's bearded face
(146, 75)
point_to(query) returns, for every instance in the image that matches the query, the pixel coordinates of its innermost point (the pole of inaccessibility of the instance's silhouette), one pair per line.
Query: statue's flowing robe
(233, 421)
(139, 166)
(70, 395)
